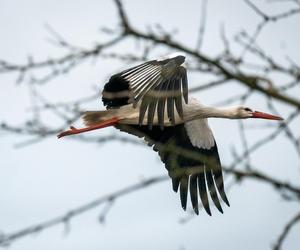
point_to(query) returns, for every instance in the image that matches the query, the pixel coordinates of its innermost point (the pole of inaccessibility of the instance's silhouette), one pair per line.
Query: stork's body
(151, 101)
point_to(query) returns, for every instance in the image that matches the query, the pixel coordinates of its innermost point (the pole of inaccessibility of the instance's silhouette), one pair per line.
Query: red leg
(73, 130)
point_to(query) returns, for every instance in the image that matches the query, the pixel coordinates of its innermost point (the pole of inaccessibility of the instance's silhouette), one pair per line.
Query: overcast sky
(47, 179)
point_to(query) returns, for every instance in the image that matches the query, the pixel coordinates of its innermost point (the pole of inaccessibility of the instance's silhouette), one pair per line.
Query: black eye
(247, 109)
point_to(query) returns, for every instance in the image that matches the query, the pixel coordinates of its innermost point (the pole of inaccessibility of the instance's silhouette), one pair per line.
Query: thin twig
(7, 239)
(202, 25)
(286, 231)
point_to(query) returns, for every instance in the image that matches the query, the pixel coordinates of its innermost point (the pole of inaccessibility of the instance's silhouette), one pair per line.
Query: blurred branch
(265, 140)
(7, 239)
(265, 20)
(252, 174)
(251, 81)
(224, 68)
(289, 133)
(238, 174)
(57, 66)
(256, 175)
(286, 230)
(202, 24)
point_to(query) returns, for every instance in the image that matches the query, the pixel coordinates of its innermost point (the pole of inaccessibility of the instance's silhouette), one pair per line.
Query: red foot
(73, 130)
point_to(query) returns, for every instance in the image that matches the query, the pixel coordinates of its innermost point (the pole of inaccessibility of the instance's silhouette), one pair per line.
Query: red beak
(257, 114)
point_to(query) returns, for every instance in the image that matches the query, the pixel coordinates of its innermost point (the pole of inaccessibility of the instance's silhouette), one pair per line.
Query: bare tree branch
(223, 69)
(7, 239)
(286, 230)
(202, 25)
(250, 81)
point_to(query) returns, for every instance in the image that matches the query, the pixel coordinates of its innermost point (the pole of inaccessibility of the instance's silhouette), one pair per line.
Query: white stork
(137, 100)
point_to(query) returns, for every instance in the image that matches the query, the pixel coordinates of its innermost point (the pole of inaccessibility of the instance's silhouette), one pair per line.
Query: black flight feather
(187, 174)
(150, 84)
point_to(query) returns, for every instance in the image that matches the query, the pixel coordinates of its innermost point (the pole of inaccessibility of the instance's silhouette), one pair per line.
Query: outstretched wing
(153, 85)
(192, 167)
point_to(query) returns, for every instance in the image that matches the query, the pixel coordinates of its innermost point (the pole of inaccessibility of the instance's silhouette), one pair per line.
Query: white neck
(222, 112)
(207, 112)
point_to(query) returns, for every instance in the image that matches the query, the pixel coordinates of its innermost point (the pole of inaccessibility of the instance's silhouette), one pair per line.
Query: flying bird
(151, 101)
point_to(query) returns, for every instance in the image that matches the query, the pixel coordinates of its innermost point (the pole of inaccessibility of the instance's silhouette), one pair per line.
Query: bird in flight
(151, 101)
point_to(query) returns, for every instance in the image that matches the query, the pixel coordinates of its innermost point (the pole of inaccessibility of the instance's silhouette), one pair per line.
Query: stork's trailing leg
(104, 124)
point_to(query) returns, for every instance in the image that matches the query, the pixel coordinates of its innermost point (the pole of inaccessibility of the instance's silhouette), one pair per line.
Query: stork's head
(243, 112)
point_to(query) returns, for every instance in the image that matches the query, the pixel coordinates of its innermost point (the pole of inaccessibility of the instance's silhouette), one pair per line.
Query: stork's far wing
(191, 167)
(153, 85)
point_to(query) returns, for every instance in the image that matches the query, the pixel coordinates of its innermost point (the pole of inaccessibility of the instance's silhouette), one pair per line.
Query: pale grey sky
(46, 179)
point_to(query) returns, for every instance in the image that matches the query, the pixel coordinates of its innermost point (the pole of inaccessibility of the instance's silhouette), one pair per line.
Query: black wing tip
(207, 210)
(175, 185)
(223, 194)
(196, 210)
(183, 191)
(226, 200)
(206, 206)
(183, 200)
(220, 209)
(217, 204)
